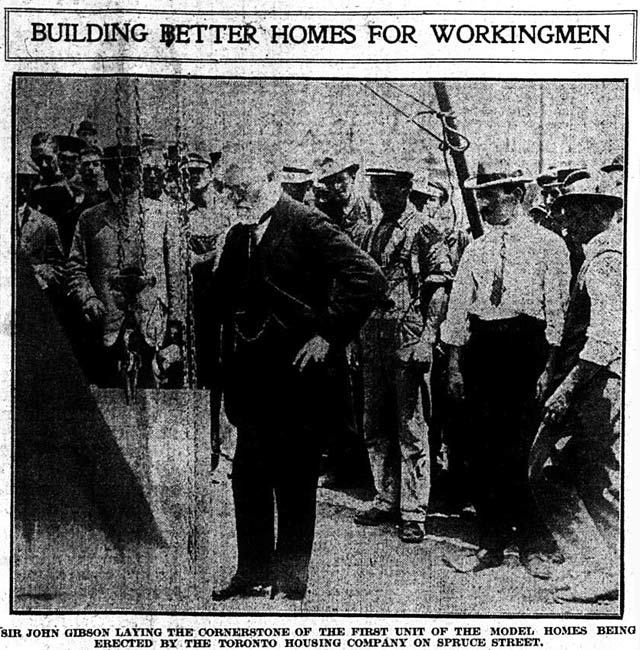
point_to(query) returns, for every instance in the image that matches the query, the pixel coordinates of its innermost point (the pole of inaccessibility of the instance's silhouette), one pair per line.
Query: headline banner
(320, 36)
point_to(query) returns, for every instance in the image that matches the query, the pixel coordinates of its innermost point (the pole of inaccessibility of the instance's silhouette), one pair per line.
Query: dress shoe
(474, 562)
(280, 591)
(327, 481)
(592, 588)
(239, 588)
(375, 517)
(411, 532)
(537, 565)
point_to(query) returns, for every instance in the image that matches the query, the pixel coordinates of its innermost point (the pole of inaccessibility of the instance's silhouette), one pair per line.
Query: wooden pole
(459, 161)
(541, 131)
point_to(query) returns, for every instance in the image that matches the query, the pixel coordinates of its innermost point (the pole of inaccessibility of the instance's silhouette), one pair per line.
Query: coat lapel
(281, 213)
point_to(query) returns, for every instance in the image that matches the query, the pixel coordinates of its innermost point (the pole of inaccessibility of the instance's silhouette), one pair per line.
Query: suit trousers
(501, 365)
(277, 461)
(275, 469)
(575, 468)
(395, 430)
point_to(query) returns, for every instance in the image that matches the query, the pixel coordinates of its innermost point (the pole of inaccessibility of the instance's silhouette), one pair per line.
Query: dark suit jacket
(305, 278)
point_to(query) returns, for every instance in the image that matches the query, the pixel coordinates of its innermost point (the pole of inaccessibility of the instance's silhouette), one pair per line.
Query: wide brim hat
(590, 189)
(548, 178)
(496, 179)
(565, 172)
(576, 181)
(331, 166)
(617, 164)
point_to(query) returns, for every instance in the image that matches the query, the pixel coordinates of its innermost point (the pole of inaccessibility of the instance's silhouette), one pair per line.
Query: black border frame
(323, 615)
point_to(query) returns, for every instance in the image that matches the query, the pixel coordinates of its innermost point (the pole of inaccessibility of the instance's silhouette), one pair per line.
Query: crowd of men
(480, 374)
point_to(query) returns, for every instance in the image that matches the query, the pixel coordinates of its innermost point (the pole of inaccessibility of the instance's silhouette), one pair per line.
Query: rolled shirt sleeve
(455, 329)
(604, 334)
(557, 276)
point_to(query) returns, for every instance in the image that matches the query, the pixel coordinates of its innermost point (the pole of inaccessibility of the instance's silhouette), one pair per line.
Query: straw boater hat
(394, 171)
(489, 176)
(590, 189)
(427, 182)
(296, 175)
(331, 166)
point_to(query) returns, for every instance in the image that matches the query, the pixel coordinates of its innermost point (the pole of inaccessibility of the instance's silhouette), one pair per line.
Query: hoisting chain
(122, 221)
(140, 194)
(190, 370)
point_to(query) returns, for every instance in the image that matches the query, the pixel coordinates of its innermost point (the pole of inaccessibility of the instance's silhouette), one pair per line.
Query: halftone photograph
(287, 346)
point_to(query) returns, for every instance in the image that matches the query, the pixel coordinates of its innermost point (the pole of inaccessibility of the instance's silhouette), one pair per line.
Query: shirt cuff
(451, 335)
(601, 353)
(553, 336)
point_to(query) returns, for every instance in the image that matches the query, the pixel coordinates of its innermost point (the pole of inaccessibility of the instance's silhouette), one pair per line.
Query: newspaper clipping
(318, 325)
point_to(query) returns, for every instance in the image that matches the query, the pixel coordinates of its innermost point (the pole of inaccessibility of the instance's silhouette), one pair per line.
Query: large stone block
(164, 437)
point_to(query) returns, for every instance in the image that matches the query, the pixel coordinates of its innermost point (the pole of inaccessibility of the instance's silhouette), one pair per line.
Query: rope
(444, 141)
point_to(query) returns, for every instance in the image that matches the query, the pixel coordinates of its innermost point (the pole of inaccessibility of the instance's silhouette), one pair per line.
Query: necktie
(497, 287)
(381, 238)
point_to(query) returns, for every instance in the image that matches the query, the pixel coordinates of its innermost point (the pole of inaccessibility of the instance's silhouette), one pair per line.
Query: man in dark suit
(295, 290)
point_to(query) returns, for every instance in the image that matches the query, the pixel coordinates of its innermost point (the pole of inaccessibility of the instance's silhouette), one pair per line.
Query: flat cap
(87, 126)
(294, 175)
(69, 143)
(197, 160)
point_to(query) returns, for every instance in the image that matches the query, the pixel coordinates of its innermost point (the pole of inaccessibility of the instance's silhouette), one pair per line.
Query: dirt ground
(368, 570)
(354, 570)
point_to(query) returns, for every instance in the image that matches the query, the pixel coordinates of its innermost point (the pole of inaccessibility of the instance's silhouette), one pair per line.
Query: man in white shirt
(575, 460)
(504, 322)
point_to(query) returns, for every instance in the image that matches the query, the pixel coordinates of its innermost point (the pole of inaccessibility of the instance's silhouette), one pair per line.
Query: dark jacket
(304, 278)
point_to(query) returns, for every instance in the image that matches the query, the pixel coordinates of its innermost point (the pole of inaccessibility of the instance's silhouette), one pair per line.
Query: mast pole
(459, 160)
